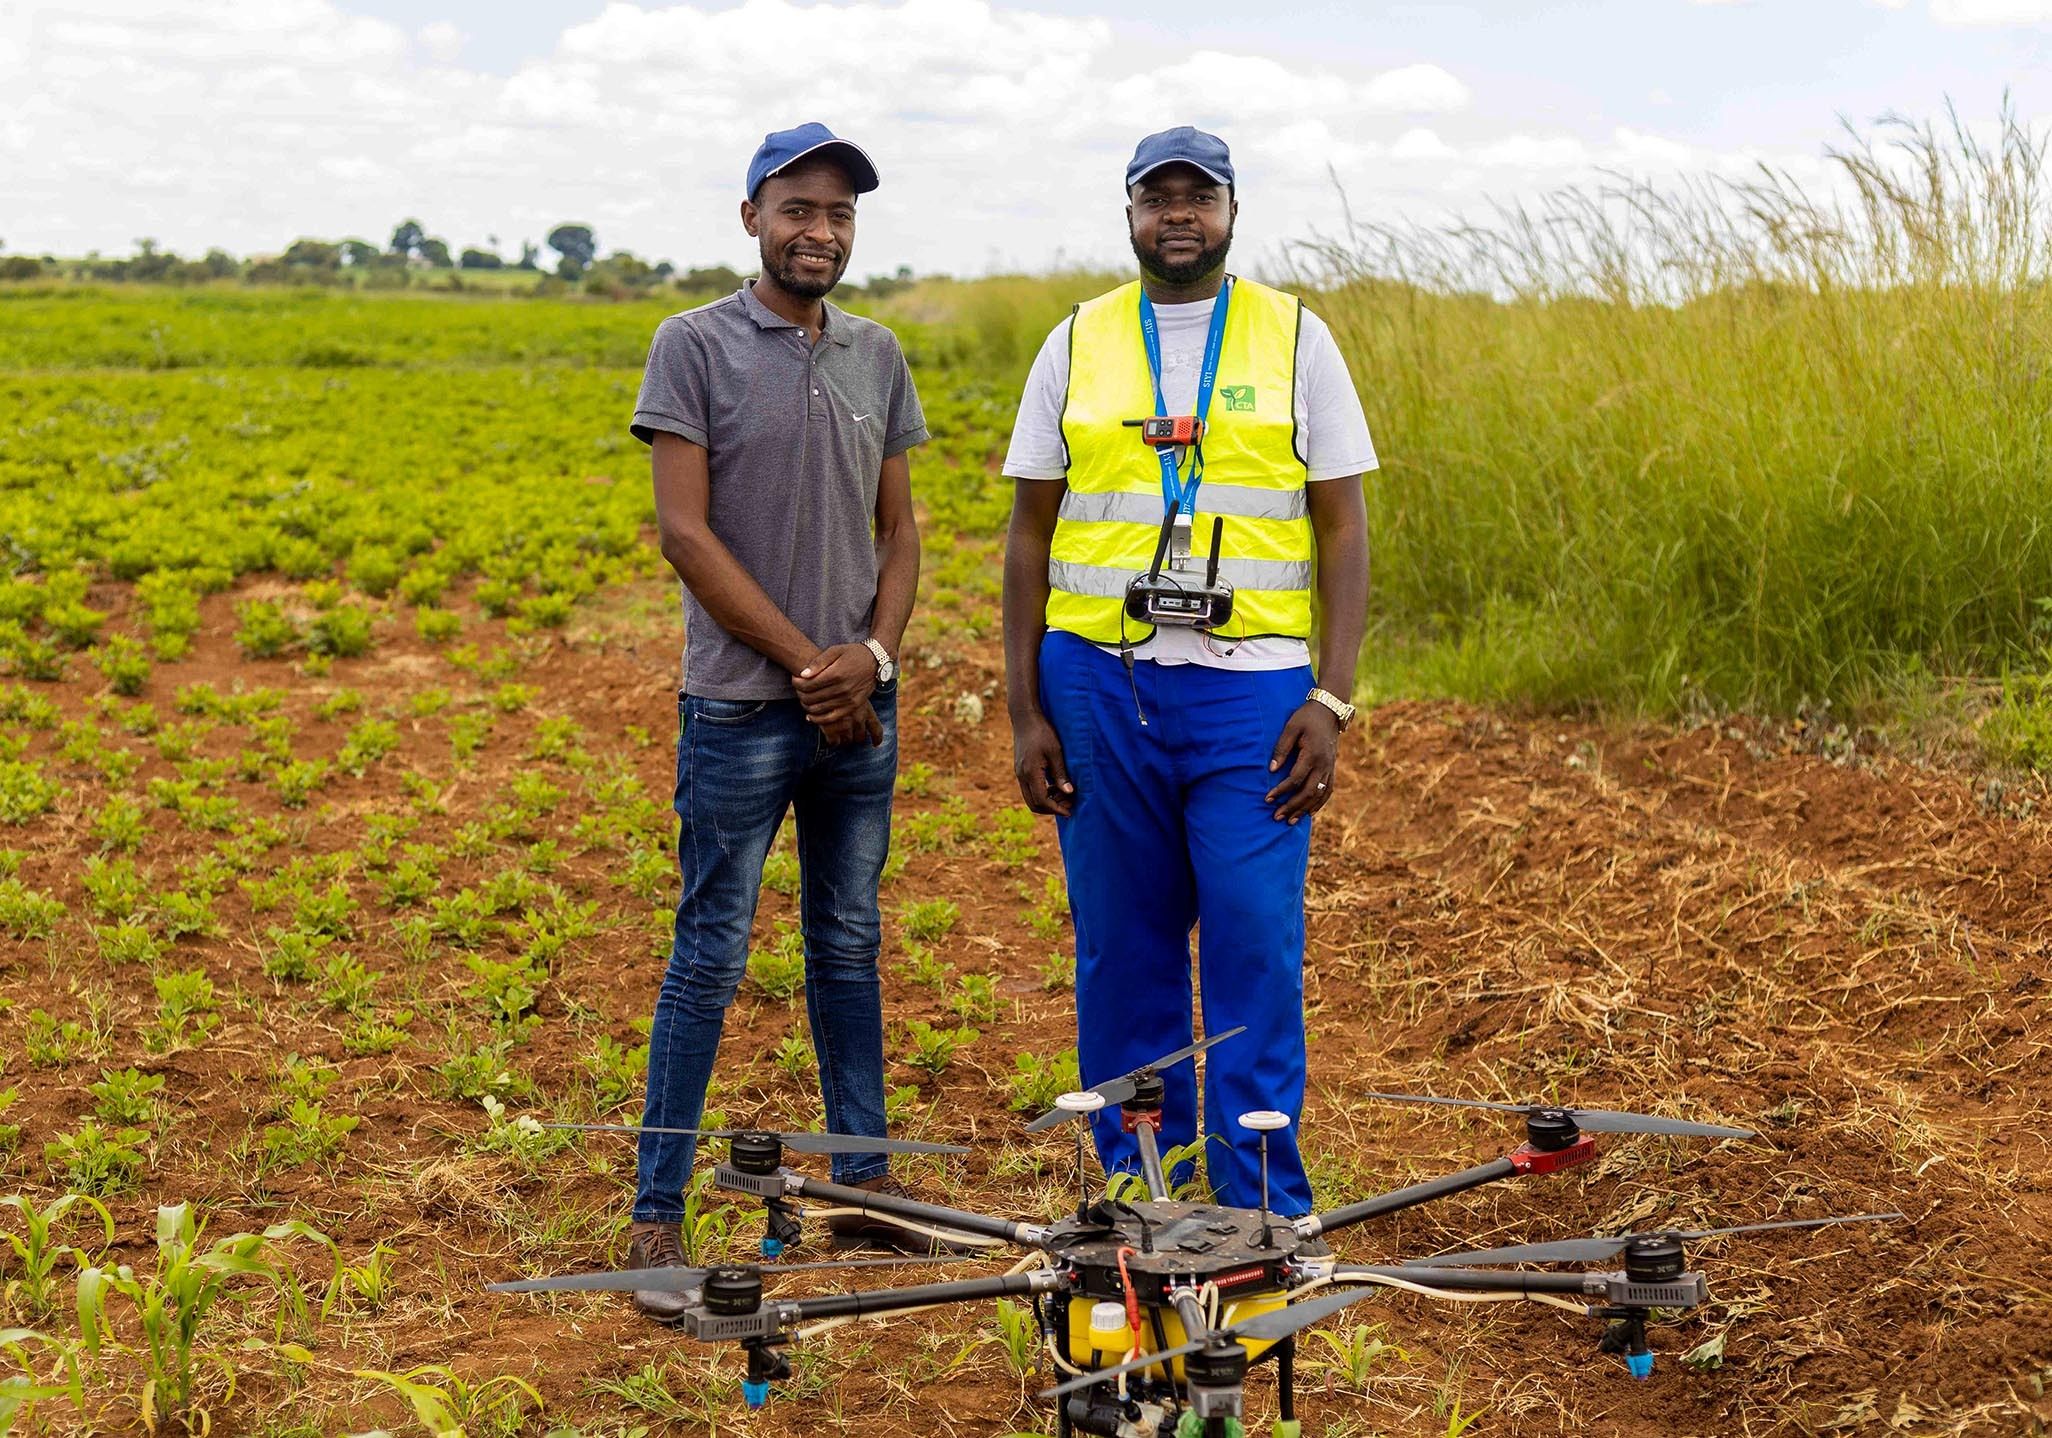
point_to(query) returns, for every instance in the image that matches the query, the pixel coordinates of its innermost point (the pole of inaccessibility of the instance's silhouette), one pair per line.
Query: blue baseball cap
(1183, 145)
(781, 149)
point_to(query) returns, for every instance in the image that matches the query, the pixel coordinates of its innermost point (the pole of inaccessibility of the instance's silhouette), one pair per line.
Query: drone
(1154, 1309)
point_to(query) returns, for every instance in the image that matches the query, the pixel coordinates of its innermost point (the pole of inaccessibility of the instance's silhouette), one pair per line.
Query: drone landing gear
(765, 1366)
(783, 1228)
(1626, 1335)
(1648, 1258)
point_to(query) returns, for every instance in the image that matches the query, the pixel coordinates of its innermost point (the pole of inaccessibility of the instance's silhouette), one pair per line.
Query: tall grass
(1740, 442)
(991, 326)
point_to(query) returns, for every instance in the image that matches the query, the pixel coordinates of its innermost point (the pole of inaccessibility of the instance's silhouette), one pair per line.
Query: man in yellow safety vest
(1187, 460)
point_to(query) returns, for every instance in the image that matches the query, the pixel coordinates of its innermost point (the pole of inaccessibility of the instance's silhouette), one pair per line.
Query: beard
(778, 267)
(1182, 272)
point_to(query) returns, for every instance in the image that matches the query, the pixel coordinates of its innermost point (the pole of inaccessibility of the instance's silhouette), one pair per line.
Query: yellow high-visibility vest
(1253, 476)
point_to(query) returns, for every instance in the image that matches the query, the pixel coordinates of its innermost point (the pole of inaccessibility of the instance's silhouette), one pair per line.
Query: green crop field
(336, 672)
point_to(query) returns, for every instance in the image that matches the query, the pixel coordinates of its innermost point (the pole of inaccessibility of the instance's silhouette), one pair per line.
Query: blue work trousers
(741, 765)
(1171, 830)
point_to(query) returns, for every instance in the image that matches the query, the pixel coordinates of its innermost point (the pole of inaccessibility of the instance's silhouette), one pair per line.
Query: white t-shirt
(1330, 426)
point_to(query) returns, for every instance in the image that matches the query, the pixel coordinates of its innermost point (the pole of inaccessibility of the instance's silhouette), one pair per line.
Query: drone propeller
(683, 1280)
(1595, 1250)
(1269, 1327)
(1118, 1090)
(829, 1143)
(1592, 1120)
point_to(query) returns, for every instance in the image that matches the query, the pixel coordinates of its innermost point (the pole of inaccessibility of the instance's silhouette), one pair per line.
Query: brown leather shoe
(860, 1229)
(657, 1245)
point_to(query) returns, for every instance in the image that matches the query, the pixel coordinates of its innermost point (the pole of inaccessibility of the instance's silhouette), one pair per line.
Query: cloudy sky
(1001, 129)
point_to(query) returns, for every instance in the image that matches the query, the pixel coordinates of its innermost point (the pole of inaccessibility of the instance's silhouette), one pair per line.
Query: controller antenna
(1265, 1121)
(1082, 1104)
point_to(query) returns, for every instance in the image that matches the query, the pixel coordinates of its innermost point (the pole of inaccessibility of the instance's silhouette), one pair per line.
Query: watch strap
(1341, 710)
(885, 665)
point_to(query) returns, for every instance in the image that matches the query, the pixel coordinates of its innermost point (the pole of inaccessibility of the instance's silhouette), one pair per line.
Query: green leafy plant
(341, 632)
(931, 1050)
(172, 1303)
(291, 954)
(263, 631)
(346, 984)
(795, 1057)
(371, 1280)
(126, 1096)
(707, 1222)
(53, 1043)
(96, 1161)
(923, 967)
(25, 792)
(29, 1288)
(123, 663)
(185, 1010)
(1047, 917)
(507, 991)
(1016, 1335)
(377, 1031)
(118, 890)
(444, 1404)
(20, 1392)
(779, 971)
(305, 1135)
(26, 913)
(1011, 837)
(1058, 971)
(975, 998)
(1038, 1081)
(929, 919)
(128, 944)
(1356, 1353)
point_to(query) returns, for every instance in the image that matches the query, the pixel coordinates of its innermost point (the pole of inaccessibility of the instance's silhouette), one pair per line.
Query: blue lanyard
(1176, 493)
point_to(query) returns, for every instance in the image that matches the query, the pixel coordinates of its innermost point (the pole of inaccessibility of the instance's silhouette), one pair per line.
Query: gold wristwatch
(1341, 710)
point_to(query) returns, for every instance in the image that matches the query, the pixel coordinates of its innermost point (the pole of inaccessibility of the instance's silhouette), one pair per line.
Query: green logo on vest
(1237, 396)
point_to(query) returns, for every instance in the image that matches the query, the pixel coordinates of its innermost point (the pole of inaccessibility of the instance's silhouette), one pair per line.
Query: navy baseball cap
(782, 149)
(1186, 145)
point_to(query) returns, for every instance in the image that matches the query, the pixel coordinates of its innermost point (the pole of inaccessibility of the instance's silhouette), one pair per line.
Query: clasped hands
(834, 687)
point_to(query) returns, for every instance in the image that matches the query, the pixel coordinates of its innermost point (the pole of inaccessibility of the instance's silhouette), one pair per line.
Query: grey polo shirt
(794, 435)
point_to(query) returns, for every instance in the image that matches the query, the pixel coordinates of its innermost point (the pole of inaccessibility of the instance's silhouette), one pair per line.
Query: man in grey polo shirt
(779, 427)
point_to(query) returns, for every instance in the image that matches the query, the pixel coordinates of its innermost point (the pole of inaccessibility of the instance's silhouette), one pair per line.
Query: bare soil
(1740, 922)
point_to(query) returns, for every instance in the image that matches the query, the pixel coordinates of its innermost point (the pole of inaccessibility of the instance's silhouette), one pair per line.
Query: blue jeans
(740, 765)
(1171, 831)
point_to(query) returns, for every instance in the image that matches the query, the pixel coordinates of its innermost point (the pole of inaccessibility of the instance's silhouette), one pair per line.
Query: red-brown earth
(1737, 922)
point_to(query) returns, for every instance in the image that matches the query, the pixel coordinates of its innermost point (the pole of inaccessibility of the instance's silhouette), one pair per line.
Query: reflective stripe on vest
(1213, 497)
(1098, 582)
(1111, 516)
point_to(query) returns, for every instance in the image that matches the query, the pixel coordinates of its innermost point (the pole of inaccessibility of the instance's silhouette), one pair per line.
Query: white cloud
(1420, 144)
(1991, 12)
(441, 40)
(1417, 89)
(1001, 134)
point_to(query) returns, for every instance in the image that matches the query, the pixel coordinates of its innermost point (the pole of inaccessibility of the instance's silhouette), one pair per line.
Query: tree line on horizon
(412, 255)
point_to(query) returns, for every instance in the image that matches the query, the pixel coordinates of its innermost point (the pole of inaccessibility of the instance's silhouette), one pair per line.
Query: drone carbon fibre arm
(893, 1300)
(1399, 1199)
(1470, 1280)
(1683, 1290)
(1032, 1235)
(1150, 1163)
